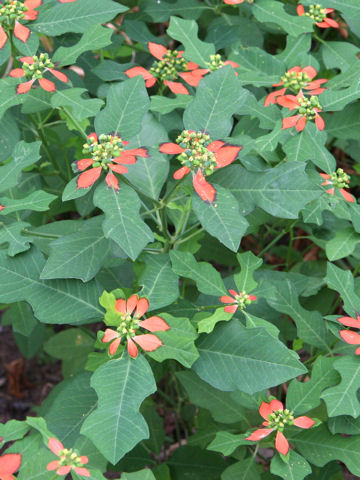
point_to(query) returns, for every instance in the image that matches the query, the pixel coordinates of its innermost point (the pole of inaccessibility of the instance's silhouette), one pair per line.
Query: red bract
(238, 300)
(107, 153)
(66, 1)
(349, 336)
(276, 418)
(12, 12)
(130, 312)
(233, 2)
(200, 156)
(9, 464)
(167, 70)
(68, 460)
(338, 179)
(193, 78)
(295, 80)
(34, 69)
(318, 14)
(308, 109)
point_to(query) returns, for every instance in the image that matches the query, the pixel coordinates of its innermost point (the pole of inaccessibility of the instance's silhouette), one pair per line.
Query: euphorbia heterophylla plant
(179, 234)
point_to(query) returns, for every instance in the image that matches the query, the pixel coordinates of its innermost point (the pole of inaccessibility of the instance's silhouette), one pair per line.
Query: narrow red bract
(128, 324)
(68, 461)
(233, 2)
(276, 418)
(319, 15)
(169, 67)
(9, 464)
(297, 79)
(350, 337)
(200, 156)
(238, 300)
(107, 154)
(34, 69)
(12, 19)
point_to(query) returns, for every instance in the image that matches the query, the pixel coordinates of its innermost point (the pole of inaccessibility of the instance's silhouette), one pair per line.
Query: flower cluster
(167, 70)
(34, 69)
(307, 109)
(201, 156)
(237, 301)
(349, 336)
(319, 15)
(295, 80)
(340, 180)
(9, 464)
(276, 418)
(12, 12)
(68, 460)
(128, 322)
(299, 82)
(105, 153)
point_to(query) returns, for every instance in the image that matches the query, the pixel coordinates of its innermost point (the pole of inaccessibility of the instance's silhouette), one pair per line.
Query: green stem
(38, 234)
(168, 195)
(290, 248)
(13, 50)
(126, 181)
(189, 236)
(74, 121)
(283, 232)
(45, 146)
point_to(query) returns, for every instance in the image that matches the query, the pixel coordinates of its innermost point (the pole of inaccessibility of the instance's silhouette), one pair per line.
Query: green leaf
(11, 232)
(78, 255)
(123, 223)
(76, 17)
(164, 105)
(310, 325)
(13, 430)
(230, 359)
(225, 407)
(67, 406)
(207, 324)
(186, 32)
(221, 218)
(37, 201)
(21, 318)
(343, 282)
(149, 174)
(142, 475)
(218, 96)
(72, 346)
(257, 67)
(270, 116)
(178, 341)
(116, 426)
(296, 468)
(24, 154)
(342, 399)
(339, 55)
(160, 283)
(208, 280)
(344, 124)
(304, 396)
(344, 424)
(93, 39)
(342, 244)
(248, 264)
(8, 95)
(9, 136)
(295, 48)
(337, 100)
(243, 470)
(319, 447)
(161, 12)
(281, 191)
(53, 301)
(310, 145)
(194, 463)
(126, 104)
(226, 442)
(81, 108)
(272, 11)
